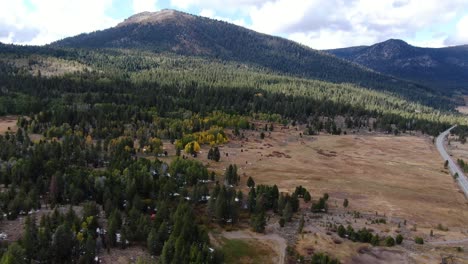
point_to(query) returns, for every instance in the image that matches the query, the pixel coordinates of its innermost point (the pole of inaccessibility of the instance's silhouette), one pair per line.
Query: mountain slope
(173, 31)
(441, 68)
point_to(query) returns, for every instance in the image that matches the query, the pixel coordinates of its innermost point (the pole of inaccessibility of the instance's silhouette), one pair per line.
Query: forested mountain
(181, 33)
(112, 123)
(445, 69)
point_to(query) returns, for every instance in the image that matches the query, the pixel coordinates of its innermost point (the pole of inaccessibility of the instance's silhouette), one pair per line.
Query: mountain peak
(393, 43)
(440, 68)
(396, 42)
(155, 17)
(390, 49)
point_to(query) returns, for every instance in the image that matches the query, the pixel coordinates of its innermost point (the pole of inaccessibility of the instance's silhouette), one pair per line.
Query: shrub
(399, 239)
(282, 222)
(419, 240)
(389, 241)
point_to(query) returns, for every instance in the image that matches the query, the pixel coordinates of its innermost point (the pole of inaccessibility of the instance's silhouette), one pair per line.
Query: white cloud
(316, 23)
(226, 6)
(434, 42)
(327, 39)
(144, 5)
(51, 20)
(211, 14)
(461, 33)
(207, 13)
(339, 23)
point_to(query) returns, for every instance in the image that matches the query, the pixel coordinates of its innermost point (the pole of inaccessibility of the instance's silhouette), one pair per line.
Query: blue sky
(316, 23)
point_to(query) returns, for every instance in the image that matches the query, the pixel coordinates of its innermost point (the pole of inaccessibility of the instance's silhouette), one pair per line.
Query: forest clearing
(397, 178)
(8, 124)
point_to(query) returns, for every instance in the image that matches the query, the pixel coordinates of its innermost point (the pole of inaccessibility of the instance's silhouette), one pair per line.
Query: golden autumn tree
(192, 147)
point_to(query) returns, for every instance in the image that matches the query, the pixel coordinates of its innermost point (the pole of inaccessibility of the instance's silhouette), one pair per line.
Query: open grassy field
(8, 124)
(246, 251)
(457, 149)
(244, 246)
(399, 176)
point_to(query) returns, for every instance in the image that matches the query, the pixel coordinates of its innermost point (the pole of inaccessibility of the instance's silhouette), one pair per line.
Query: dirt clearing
(8, 124)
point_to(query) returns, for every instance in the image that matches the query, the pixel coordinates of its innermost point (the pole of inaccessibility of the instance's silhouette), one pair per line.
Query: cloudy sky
(318, 24)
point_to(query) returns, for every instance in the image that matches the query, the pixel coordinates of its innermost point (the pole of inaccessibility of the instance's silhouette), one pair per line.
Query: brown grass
(457, 149)
(396, 176)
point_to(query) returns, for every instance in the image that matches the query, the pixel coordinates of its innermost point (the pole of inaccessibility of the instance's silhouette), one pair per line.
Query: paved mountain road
(462, 181)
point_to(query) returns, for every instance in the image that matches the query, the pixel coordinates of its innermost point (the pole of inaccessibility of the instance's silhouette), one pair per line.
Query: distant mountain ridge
(440, 68)
(182, 33)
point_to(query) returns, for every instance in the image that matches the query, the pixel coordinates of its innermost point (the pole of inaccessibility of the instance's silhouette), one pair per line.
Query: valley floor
(397, 178)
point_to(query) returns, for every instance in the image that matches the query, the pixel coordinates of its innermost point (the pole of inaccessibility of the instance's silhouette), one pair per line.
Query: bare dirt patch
(8, 124)
(124, 256)
(14, 228)
(368, 255)
(464, 109)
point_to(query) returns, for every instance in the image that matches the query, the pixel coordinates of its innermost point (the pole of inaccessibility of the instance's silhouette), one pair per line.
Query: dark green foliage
(30, 238)
(223, 206)
(322, 258)
(375, 240)
(300, 191)
(231, 177)
(186, 237)
(250, 182)
(268, 195)
(301, 225)
(258, 222)
(14, 255)
(463, 165)
(282, 222)
(419, 240)
(341, 231)
(307, 197)
(220, 40)
(152, 242)
(91, 119)
(213, 154)
(321, 205)
(399, 239)
(345, 203)
(389, 241)
(363, 235)
(154, 90)
(251, 200)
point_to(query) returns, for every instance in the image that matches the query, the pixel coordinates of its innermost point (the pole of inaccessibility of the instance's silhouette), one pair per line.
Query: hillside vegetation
(444, 69)
(185, 34)
(177, 83)
(110, 127)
